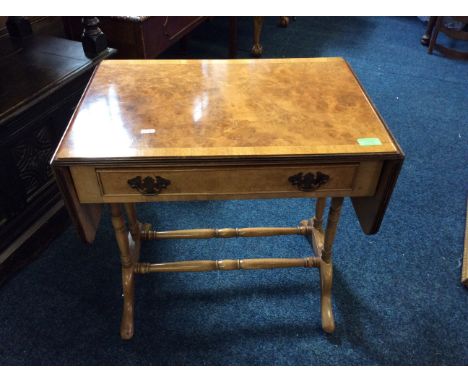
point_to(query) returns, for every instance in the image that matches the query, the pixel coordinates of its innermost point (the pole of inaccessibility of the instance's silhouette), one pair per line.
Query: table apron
(114, 185)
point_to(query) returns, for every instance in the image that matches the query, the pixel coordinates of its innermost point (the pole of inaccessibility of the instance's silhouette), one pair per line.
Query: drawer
(204, 183)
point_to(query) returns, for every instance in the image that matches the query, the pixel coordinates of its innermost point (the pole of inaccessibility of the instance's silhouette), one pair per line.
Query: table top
(142, 109)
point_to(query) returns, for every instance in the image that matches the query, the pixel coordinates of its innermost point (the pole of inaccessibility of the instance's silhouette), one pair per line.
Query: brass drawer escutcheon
(309, 181)
(149, 185)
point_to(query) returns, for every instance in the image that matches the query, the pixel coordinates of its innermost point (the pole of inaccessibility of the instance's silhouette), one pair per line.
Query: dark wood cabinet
(138, 36)
(41, 81)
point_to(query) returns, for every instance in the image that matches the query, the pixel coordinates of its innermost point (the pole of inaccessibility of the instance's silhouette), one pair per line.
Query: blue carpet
(397, 295)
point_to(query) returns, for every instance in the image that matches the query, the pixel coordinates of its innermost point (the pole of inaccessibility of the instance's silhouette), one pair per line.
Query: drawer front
(163, 184)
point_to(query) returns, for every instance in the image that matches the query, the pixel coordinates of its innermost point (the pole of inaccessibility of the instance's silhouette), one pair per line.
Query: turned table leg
(135, 232)
(326, 267)
(128, 260)
(319, 209)
(129, 243)
(322, 243)
(135, 226)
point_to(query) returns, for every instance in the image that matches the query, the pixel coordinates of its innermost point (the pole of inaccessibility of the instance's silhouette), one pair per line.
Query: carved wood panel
(31, 157)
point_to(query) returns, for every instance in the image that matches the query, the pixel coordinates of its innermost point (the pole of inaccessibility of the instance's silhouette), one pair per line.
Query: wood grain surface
(136, 109)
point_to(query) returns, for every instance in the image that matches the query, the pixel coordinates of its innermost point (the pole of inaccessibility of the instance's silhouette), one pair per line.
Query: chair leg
(283, 21)
(232, 36)
(435, 33)
(428, 34)
(257, 48)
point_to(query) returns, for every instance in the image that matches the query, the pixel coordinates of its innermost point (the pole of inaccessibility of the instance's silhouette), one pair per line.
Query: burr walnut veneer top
(134, 109)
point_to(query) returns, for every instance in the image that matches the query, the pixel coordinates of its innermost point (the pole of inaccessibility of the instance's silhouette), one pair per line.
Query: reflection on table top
(224, 108)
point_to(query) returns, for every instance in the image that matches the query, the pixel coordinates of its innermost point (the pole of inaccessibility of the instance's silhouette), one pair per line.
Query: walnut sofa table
(159, 131)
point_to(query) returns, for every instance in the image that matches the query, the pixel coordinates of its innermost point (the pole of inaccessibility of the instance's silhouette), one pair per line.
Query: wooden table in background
(161, 131)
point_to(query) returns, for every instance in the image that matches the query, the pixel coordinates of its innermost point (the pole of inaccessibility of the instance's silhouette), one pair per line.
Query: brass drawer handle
(148, 185)
(309, 181)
